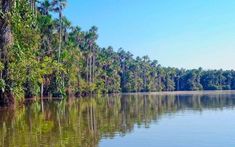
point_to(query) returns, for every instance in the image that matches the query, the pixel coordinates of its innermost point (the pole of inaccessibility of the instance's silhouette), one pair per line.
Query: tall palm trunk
(6, 40)
(60, 33)
(33, 6)
(90, 69)
(93, 69)
(60, 43)
(87, 69)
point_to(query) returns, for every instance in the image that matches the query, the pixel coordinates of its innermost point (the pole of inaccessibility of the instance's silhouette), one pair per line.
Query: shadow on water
(84, 122)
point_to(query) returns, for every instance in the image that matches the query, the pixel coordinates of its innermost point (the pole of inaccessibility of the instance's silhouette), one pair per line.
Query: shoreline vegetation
(43, 55)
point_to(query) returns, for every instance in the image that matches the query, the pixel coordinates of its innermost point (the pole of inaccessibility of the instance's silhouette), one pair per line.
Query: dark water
(169, 120)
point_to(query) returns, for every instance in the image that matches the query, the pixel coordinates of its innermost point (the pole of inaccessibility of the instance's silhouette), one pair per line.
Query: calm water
(166, 120)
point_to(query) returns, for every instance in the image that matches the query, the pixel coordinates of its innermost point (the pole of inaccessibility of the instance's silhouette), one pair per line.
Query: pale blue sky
(179, 33)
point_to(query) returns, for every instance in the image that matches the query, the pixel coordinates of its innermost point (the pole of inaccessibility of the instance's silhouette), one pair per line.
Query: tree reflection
(84, 122)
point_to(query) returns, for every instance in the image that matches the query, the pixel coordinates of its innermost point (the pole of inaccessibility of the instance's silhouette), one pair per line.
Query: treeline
(42, 54)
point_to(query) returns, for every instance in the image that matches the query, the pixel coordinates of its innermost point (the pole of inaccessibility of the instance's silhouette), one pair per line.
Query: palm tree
(87, 44)
(93, 47)
(145, 72)
(45, 7)
(64, 29)
(58, 6)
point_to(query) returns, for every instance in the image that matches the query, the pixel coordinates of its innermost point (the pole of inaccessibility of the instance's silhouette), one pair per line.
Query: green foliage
(23, 61)
(2, 84)
(49, 57)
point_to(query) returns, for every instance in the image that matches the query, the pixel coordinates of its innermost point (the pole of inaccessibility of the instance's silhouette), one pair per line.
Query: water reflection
(85, 122)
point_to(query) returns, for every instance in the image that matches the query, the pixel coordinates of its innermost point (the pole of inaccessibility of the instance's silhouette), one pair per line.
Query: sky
(178, 33)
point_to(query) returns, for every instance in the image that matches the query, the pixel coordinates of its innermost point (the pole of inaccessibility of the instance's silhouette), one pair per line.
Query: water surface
(182, 119)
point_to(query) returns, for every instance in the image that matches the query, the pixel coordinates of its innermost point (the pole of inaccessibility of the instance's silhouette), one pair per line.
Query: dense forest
(42, 54)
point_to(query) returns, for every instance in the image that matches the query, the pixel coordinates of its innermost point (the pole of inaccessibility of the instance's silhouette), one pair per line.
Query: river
(173, 119)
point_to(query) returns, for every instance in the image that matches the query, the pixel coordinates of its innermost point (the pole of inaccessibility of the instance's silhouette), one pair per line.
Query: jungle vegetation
(43, 55)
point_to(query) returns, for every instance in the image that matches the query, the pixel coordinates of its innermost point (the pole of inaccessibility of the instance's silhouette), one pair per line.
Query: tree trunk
(87, 68)
(178, 83)
(33, 6)
(93, 69)
(90, 77)
(42, 90)
(60, 35)
(6, 41)
(42, 103)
